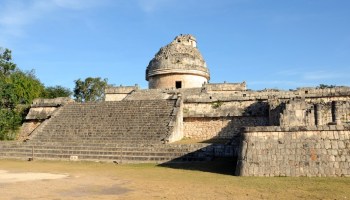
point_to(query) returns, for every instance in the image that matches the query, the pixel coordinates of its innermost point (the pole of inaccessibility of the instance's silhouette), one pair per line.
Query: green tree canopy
(91, 89)
(324, 86)
(27, 86)
(6, 66)
(17, 91)
(57, 91)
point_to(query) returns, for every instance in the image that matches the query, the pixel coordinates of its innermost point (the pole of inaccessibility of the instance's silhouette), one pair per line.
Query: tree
(27, 86)
(8, 98)
(324, 86)
(57, 91)
(91, 89)
(17, 91)
(6, 66)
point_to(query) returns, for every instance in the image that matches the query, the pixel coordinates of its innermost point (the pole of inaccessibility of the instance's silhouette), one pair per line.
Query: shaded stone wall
(223, 109)
(219, 127)
(295, 151)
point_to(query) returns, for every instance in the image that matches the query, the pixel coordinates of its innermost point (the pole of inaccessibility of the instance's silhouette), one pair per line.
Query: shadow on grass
(225, 166)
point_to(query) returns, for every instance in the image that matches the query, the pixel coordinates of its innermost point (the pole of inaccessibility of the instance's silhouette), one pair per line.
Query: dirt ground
(88, 180)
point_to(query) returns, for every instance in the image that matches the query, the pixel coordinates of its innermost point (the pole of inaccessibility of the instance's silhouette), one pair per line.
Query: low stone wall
(119, 93)
(218, 127)
(295, 151)
(312, 95)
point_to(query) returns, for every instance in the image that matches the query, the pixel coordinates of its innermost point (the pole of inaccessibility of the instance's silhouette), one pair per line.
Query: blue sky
(280, 44)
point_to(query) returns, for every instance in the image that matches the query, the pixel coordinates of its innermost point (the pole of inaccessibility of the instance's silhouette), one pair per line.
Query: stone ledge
(51, 102)
(345, 127)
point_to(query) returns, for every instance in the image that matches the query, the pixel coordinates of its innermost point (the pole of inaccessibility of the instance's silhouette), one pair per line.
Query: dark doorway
(178, 84)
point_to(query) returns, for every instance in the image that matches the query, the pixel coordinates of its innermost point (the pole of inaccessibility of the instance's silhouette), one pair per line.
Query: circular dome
(181, 56)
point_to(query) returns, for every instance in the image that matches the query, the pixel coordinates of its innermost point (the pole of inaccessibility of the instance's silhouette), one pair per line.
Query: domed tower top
(178, 65)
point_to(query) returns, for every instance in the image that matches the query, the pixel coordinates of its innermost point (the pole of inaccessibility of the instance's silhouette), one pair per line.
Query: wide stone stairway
(122, 132)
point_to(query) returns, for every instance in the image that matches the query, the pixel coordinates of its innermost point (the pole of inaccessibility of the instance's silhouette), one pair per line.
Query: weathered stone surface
(51, 102)
(218, 127)
(313, 155)
(178, 61)
(40, 113)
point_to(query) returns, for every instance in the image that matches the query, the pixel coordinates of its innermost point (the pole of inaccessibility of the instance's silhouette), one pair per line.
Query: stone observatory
(178, 65)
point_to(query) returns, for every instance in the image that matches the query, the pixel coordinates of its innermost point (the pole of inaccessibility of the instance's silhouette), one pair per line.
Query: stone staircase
(159, 153)
(115, 122)
(121, 132)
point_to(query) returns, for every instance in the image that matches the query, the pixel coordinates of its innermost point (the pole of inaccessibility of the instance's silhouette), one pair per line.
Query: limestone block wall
(119, 93)
(224, 87)
(205, 128)
(222, 109)
(310, 95)
(344, 111)
(295, 151)
(297, 113)
(176, 124)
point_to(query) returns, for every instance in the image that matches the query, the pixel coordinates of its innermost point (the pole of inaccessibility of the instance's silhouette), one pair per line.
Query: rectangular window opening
(178, 84)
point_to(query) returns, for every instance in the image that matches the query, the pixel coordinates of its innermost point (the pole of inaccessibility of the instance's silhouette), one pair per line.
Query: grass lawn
(212, 180)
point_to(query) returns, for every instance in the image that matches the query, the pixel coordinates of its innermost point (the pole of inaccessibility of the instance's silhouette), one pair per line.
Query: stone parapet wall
(295, 151)
(310, 95)
(121, 89)
(51, 102)
(119, 93)
(224, 87)
(40, 113)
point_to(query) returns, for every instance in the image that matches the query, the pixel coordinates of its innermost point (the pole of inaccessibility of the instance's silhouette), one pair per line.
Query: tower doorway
(178, 84)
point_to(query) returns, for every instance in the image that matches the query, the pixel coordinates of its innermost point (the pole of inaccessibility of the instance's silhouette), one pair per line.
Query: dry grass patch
(88, 180)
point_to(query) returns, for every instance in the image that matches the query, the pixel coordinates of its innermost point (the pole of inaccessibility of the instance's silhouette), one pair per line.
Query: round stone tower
(178, 65)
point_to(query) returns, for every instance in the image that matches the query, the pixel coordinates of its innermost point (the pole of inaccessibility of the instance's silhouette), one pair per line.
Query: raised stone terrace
(123, 132)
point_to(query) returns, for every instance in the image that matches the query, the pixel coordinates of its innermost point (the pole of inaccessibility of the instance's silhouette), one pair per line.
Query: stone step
(107, 157)
(94, 152)
(133, 159)
(99, 149)
(75, 144)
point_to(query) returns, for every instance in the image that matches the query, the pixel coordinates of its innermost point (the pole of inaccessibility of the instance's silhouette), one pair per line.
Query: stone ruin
(302, 132)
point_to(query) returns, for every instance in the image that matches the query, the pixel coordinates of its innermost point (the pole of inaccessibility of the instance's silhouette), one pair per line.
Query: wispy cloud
(299, 77)
(308, 75)
(278, 83)
(323, 75)
(150, 6)
(79, 4)
(15, 16)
